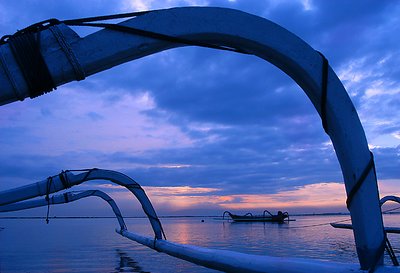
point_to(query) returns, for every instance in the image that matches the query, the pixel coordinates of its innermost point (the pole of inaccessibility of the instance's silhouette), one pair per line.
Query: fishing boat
(37, 59)
(265, 217)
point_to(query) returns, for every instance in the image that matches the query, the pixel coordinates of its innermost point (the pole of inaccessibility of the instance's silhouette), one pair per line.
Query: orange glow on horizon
(319, 197)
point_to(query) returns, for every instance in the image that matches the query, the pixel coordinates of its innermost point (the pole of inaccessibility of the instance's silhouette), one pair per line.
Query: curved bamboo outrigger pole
(383, 200)
(67, 179)
(392, 198)
(68, 57)
(395, 230)
(66, 198)
(231, 261)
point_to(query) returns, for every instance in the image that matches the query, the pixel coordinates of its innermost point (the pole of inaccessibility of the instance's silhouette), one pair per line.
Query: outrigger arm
(67, 179)
(64, 198)
(383, 200)
(61, 56)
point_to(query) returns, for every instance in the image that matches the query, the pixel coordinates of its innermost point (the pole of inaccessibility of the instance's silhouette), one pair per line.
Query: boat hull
(242, 218)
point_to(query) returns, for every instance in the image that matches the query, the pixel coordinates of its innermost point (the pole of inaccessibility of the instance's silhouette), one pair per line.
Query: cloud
(387, 161)
(317, 197)
(87, 123)
(371, 85)
(140, 5)
(389, 187)
(320, 197)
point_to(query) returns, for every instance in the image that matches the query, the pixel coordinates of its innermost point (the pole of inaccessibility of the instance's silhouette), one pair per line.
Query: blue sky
(204, 130)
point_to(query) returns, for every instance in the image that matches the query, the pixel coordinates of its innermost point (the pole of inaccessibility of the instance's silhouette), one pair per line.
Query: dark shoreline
(167, 216)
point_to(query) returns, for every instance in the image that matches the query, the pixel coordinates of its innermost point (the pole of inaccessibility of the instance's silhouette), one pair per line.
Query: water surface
(91, 245)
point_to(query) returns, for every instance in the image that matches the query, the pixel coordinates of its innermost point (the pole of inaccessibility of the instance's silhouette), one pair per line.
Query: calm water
(91, 245)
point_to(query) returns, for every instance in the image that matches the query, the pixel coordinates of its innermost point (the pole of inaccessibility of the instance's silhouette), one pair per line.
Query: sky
(202, 130)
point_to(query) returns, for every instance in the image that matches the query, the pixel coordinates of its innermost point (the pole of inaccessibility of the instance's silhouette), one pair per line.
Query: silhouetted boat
(265, 217)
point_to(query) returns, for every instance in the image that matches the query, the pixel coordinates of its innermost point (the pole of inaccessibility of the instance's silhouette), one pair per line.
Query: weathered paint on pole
(252, 34)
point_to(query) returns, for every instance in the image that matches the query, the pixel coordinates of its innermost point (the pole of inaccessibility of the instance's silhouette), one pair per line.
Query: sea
(92, 245)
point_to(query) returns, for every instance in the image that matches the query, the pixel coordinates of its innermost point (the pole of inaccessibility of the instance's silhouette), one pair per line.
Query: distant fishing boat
(265, 217)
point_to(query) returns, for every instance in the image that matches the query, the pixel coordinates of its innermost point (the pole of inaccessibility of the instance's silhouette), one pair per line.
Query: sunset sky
(204, 131)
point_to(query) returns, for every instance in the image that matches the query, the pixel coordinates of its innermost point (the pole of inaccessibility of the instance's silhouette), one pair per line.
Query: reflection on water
(127, 264)
(91, 245)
